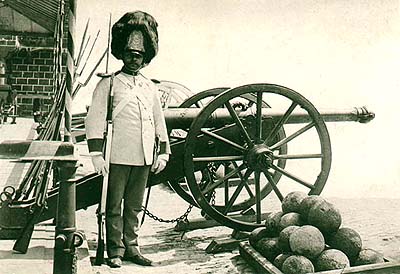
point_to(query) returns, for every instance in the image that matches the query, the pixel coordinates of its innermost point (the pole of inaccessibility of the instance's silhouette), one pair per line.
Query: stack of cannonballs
(306, 236)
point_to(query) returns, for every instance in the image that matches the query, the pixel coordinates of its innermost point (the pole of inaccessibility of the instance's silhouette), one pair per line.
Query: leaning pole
(67, 239)
(70, 68)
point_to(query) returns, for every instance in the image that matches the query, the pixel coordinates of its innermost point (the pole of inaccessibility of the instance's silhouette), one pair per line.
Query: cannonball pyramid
(307, 236)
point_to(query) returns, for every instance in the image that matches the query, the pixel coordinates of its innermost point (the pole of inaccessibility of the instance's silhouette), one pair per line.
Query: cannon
(234, 150)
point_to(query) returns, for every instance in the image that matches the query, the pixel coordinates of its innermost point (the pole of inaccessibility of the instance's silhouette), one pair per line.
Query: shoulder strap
(119, 107)
(110, 99)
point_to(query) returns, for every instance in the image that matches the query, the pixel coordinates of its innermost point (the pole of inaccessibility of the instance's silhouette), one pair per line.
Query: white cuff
(96, 153)
(164, 157)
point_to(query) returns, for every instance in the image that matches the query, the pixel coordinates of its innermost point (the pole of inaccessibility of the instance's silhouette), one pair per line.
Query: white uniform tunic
(137, 118)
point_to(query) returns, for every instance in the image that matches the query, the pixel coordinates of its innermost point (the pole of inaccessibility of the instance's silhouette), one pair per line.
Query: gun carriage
(233, 152)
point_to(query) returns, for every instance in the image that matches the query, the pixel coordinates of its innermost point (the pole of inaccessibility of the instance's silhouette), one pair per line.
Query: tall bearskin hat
(139, 21)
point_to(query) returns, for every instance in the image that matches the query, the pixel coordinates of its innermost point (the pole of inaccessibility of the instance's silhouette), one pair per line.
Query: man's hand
(99, 164)
(160, 163)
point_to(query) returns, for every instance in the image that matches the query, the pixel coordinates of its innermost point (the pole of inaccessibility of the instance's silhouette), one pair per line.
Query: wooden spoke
(280, 123)
(273, 184)
(259, 117)
(293, 177)
(218, 182)
(239, 124)
(292, 136)
(223, 139)
(218, 158)
(258, 196)
(243, 183)
(298, 156)
(248, 189)
(242, 178)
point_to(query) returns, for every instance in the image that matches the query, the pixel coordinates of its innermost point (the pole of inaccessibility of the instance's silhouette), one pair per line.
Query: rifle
(22, 243)
(101, 210)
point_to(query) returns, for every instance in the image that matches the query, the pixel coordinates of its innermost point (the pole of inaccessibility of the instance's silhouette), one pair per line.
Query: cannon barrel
(181, 118)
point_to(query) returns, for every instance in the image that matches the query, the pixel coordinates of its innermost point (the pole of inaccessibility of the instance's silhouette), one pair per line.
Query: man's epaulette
(107, 75)
(103, 74)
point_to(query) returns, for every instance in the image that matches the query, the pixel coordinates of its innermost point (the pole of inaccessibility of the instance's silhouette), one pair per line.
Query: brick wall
(30, 71)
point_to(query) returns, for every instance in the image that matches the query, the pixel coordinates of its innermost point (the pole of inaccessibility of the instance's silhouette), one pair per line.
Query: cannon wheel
(171, 93)
(193, 101)
(257, 154)
(200, 100)
(197, 99)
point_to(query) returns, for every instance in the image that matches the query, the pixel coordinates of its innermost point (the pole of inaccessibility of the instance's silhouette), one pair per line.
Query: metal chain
(212, 168)
(213, 198)
(74, 266)
(182, 218)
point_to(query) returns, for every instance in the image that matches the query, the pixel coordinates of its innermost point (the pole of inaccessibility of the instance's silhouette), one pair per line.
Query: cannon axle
(259, 157)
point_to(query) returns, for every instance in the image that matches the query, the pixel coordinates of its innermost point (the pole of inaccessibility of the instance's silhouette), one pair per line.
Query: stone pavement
(377, 221)
(171, 251)
(39, 257)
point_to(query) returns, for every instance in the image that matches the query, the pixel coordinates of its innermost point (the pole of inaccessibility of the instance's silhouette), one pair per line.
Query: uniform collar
(127, 71)
(131, 80)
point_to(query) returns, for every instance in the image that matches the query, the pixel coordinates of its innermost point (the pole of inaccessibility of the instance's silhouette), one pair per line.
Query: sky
(336, 53)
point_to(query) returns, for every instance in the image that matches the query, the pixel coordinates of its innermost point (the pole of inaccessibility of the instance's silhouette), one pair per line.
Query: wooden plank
(227, 244)
(222, 245)
(263, 266)
(200, 223)
(381, 268)
(37, 150)
(256, 260)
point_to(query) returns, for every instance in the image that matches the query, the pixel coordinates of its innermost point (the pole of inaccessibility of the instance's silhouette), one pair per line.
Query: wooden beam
(37, 150)
(201, 223)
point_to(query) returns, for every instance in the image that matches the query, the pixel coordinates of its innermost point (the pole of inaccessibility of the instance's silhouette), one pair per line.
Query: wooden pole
(70, 69)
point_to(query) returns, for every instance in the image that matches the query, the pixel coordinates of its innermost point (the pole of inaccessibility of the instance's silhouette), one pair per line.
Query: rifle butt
(100, 239)
(99, 253)
(22, 243)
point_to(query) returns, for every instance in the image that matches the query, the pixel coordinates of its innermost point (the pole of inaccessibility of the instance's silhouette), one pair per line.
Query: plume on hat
(137, 20)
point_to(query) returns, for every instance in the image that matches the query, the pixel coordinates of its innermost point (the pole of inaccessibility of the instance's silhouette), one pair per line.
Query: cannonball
(268, 247)
(257, 234)
(291, 218)
(291, 202)
(307, 203)
(369, 256)
(297, 264)
(280, 259)
(331, 259)
(346, 240)
(284, 235)
(307, 241)
(272, 222)
(325, 216)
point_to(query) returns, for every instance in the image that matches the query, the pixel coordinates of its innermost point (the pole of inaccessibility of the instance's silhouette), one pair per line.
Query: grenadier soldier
(138, 121)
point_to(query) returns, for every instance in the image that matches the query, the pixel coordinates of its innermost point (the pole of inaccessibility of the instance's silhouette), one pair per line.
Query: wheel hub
(259, 157)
